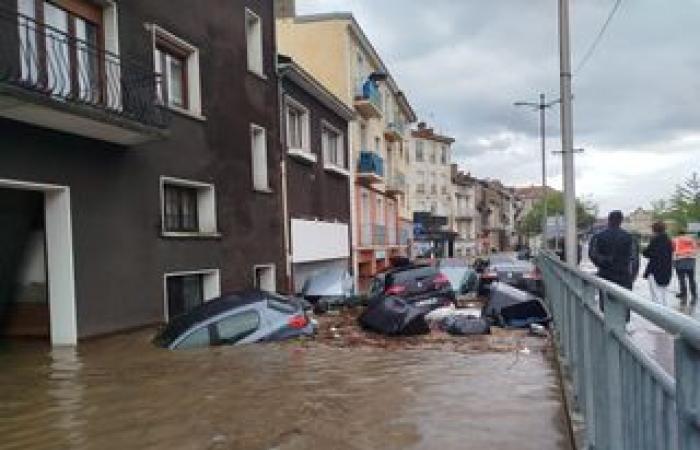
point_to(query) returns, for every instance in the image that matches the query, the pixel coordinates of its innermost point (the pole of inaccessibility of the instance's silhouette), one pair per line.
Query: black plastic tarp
(392, 316)
(511, 307)
(461, 325)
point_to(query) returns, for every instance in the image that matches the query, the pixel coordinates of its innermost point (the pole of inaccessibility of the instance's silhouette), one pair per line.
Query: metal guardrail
(628, 401)
(45, 60)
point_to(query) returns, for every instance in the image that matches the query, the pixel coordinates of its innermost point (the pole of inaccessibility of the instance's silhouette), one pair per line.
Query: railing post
(615, 319)
(588, 369)
(687, 367)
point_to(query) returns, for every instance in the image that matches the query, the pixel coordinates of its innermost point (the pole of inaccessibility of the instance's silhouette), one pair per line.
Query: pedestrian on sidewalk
(685, 252)
(659, 269)
(615, 253)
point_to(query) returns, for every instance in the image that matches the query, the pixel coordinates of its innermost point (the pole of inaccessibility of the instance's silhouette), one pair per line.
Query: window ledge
(303, 155)
(258, 74)
(267, 191)
(190, 235)
(187, 113)
(337, 170)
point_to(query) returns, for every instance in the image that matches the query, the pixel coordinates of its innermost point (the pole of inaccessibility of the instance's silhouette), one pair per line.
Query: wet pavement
(344, 390)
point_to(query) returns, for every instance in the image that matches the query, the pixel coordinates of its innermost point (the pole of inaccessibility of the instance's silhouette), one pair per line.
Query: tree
(683, 206)
(586, 212)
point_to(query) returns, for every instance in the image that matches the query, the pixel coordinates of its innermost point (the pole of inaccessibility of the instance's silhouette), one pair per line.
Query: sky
(463, 63)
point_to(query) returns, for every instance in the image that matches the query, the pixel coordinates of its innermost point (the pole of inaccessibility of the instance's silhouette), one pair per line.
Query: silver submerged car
(238, 318)
(328, 288)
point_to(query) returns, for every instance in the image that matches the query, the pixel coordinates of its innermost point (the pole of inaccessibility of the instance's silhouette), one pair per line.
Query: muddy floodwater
(122, 393)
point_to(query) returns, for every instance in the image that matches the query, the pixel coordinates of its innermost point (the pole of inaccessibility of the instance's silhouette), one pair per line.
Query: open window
(334, 155)
(185, 291)
(188, 207)
(254, 42)
(258, 143)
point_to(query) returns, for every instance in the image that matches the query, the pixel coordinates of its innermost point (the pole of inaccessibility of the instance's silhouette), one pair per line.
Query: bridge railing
(627, 399)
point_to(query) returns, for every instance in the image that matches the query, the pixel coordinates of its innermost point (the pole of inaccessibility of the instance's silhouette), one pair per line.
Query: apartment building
(334, 50)
(431, 171)
(316, 176)
(139, 172)
(465, 218)
(496, 205)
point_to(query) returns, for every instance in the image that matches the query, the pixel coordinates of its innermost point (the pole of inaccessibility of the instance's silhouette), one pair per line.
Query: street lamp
(542, 106)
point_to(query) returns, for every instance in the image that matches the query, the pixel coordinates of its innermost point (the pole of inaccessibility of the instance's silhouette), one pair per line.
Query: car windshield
(502, 258)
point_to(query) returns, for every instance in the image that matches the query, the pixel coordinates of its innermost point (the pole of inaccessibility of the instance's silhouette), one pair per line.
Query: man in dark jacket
(615, 253)
(660, 267)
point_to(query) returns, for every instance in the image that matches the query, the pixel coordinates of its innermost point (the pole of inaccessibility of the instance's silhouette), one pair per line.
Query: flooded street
(121, 392)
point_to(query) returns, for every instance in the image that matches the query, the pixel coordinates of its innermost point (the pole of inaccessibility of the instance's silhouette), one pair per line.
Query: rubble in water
(340, 329)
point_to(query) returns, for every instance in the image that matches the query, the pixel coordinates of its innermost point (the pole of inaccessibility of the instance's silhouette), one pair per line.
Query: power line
(599, 37)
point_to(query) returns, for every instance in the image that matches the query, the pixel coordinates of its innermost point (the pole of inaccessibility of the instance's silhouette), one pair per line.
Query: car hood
(327, 284)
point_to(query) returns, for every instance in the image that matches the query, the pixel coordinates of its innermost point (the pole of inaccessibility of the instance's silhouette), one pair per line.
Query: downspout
(283, 174)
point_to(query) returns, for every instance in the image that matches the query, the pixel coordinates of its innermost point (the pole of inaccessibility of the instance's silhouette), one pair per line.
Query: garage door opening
(37, 292)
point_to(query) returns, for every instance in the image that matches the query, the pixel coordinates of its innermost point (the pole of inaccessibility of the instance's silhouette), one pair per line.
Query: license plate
(427, 302)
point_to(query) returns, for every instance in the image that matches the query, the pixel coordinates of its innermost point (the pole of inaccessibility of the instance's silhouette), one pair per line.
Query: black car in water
(507, 268)
(418, 285)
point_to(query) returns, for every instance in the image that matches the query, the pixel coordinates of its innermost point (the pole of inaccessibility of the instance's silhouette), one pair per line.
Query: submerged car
(237, 318)
(422, 286)
(329, 288)
(464, 280)
(507, 268)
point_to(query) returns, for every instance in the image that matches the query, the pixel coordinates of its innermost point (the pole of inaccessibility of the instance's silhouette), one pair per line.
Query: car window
(233, 328)
(377, 286)
(281, 306)
(198, 338)
(413, 274)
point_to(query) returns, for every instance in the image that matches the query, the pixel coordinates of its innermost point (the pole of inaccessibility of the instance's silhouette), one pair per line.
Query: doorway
(37, 287)
(265, 278)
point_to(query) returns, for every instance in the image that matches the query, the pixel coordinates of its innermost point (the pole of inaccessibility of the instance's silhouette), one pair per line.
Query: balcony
(464, 214)
(373, 235)
(370, 168)
(54, 80)
(368, 101)
(396, 183)
(394, 131)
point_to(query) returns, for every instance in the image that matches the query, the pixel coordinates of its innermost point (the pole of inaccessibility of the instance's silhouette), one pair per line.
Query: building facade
(334, 50)
(316, 176)
(497, 208)
(465, 218)
(140, 173)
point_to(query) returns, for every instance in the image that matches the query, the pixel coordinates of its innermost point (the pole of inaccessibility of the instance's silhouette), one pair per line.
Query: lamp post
(542, 106)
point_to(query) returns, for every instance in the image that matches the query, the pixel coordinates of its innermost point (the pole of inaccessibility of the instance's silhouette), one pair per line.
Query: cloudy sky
(463, 63)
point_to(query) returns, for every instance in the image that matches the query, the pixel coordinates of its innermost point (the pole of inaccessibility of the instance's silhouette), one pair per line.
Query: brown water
(122, 393)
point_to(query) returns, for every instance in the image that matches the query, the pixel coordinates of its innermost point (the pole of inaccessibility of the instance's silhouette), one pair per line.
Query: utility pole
(542, 106)
(567, 136)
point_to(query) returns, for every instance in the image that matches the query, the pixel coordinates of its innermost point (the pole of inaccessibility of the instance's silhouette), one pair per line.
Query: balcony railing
(396, 182)
(373, 235)
(370, 165)
(368, 100)
(42, 59)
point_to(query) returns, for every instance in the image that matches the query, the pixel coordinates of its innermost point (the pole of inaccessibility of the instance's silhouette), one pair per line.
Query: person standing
(685, 252)
(659, 269)
(615, 253)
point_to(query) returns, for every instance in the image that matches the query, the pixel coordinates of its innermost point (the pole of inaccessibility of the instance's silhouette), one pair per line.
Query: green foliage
(531, 224)
(683, 206)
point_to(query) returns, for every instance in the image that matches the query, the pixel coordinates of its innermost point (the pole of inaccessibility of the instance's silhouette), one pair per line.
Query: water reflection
(121, 392)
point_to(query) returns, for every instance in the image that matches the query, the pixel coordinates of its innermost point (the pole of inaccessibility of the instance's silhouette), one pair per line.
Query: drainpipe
(285, 204)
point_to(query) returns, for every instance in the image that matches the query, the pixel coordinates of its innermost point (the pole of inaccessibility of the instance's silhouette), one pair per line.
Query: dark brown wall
(312, 191)
(120, 258)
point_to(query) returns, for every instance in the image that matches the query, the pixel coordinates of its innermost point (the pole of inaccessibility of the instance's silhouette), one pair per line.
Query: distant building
(639, 222)
(464, 219)
(430, 171)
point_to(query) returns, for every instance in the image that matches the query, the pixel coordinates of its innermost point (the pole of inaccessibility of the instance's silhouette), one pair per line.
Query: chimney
(285, 9)
(422, 125)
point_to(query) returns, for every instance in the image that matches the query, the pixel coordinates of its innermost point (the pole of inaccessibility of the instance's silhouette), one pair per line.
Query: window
(433, 189)
(433, 154)
(176, 64)
(61, 47)
(180, 208)
(171, 76)
(197, 339)
(420, 188)
(254, 40)
(363, 137)
(185, 293)
(378, 145)
(298, 128)
(333, 149)
(419, 151)
(187, 207)
(233, 328)
(258, 144)
(443, 156)
(265, 277)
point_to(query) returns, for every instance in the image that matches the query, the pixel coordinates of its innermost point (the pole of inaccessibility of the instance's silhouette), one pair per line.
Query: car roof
(406, 268)
(208, 309)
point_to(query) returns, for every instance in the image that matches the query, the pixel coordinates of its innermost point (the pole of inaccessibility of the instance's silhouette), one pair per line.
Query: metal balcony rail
(373, 234)
(369, 90)
(397, 127)
(397, 180)
(45, 60)
(628, 401)
(370, 162)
